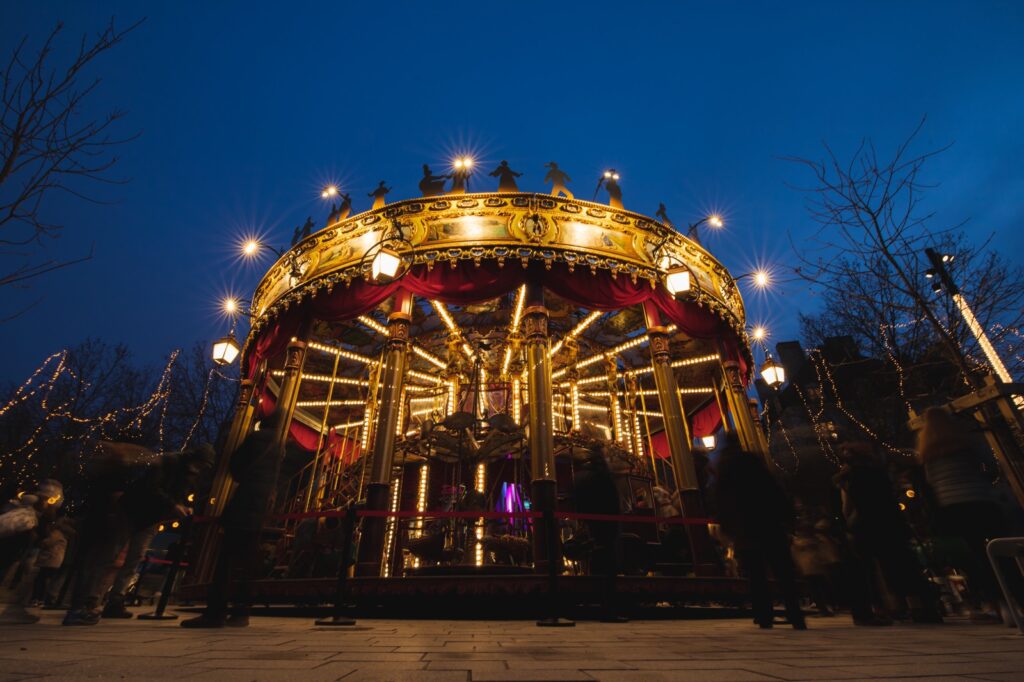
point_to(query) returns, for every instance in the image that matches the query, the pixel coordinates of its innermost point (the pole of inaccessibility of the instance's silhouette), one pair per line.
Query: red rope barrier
(575, 516)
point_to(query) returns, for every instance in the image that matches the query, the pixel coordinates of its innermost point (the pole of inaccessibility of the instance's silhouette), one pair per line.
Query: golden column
(295, 357)
(378, 490)
(208, 542)
(540, 417)
(676, 432)
(739, 409)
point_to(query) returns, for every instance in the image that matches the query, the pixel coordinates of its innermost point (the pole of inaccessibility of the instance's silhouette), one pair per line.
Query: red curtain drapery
(467, 283)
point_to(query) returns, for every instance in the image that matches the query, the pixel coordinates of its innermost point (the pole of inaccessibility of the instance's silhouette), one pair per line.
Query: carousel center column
(378, 490)
(542, 441)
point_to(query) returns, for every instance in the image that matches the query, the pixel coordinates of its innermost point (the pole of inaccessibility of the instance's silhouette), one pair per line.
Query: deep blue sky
(247, 109)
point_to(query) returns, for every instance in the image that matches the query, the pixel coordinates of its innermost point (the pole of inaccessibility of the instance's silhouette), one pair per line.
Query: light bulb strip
(423, 376)
(334, 403)
(347, 354)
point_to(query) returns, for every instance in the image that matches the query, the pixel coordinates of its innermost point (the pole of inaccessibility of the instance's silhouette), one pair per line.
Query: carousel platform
(488, 593)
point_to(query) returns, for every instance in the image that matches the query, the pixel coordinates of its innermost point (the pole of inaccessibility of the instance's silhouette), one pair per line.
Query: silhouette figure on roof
(378, 196)
(558, 179)
(345, 209)
(332, 217)
(506, 177)
(431, 185)
(610, 180)
(662, 215)
(296, 235)
(307, 228)
(460, 178)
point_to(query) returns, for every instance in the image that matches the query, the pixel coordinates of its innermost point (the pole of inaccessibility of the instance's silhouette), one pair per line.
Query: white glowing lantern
(226, 350)
(385, 264)
(708, 442)
(773, 373)
(677, 280)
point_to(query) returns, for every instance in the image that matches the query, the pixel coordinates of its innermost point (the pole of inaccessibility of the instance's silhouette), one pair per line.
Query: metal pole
(320, 437)
(540, 419)
(172, 574)
(554, 560)
(392, 378)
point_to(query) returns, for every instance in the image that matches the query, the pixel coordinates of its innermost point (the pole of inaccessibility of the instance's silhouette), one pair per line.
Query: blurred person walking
(965, 506)
(253, 467)
(754, 511)
(880, 538)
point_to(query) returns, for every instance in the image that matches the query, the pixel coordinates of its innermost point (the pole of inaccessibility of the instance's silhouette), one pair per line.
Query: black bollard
(172, 574)
(554, 559)
(341, 593)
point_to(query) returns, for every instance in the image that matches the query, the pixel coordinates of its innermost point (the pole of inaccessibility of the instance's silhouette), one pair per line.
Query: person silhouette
(296, 235)
(460, 177)
(332, 217)
(662, 215)
(345, 209)
(610, 180)
(431, 185)
(558, 179)
(378, 196)
(506, 177)
(307, 228)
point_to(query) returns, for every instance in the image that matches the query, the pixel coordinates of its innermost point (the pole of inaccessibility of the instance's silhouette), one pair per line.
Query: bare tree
(866, 260)
(47, 145)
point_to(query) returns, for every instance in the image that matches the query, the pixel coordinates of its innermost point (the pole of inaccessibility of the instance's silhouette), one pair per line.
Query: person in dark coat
(594, 492)
(880, 536)
(964, 499)
(147, 495)
(756, 515)
(253, 467)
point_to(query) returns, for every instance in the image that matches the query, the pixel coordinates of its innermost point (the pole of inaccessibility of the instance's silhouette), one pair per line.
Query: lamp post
(714, 220)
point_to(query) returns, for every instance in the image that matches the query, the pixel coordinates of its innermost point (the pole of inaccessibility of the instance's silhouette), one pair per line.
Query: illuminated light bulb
(329, 191)
(191, 497)
(911, 493)
(615, 176)
(230, 306)
(250, 247)
(467, 162)
(759, 333)
(607, 174)
(762, 279)
(715, 220)
(708, 442)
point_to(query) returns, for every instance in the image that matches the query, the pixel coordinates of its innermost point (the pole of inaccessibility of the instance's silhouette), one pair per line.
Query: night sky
(247, 109)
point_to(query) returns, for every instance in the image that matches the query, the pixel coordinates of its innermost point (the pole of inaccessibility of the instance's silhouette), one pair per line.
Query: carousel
(468, 352)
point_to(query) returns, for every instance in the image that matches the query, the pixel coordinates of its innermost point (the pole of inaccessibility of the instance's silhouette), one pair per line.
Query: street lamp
(329, 191)
(385, 264)
(714, 220)
(226, 349)
(772, 372)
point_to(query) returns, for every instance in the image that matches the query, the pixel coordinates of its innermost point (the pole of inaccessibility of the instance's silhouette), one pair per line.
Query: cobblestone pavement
(276, 648)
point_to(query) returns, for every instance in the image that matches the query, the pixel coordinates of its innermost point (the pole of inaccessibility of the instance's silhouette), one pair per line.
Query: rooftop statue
(431, 185)
(378, 196)
(506, 177)
(307, 228)
(296, 235)
(558, 179)
(610, 180)
(662, 215)
(346, 207)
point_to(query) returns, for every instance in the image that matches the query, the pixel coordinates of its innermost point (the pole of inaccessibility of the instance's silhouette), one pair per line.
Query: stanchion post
(172, 574)
(554, 566)
(348, 528)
